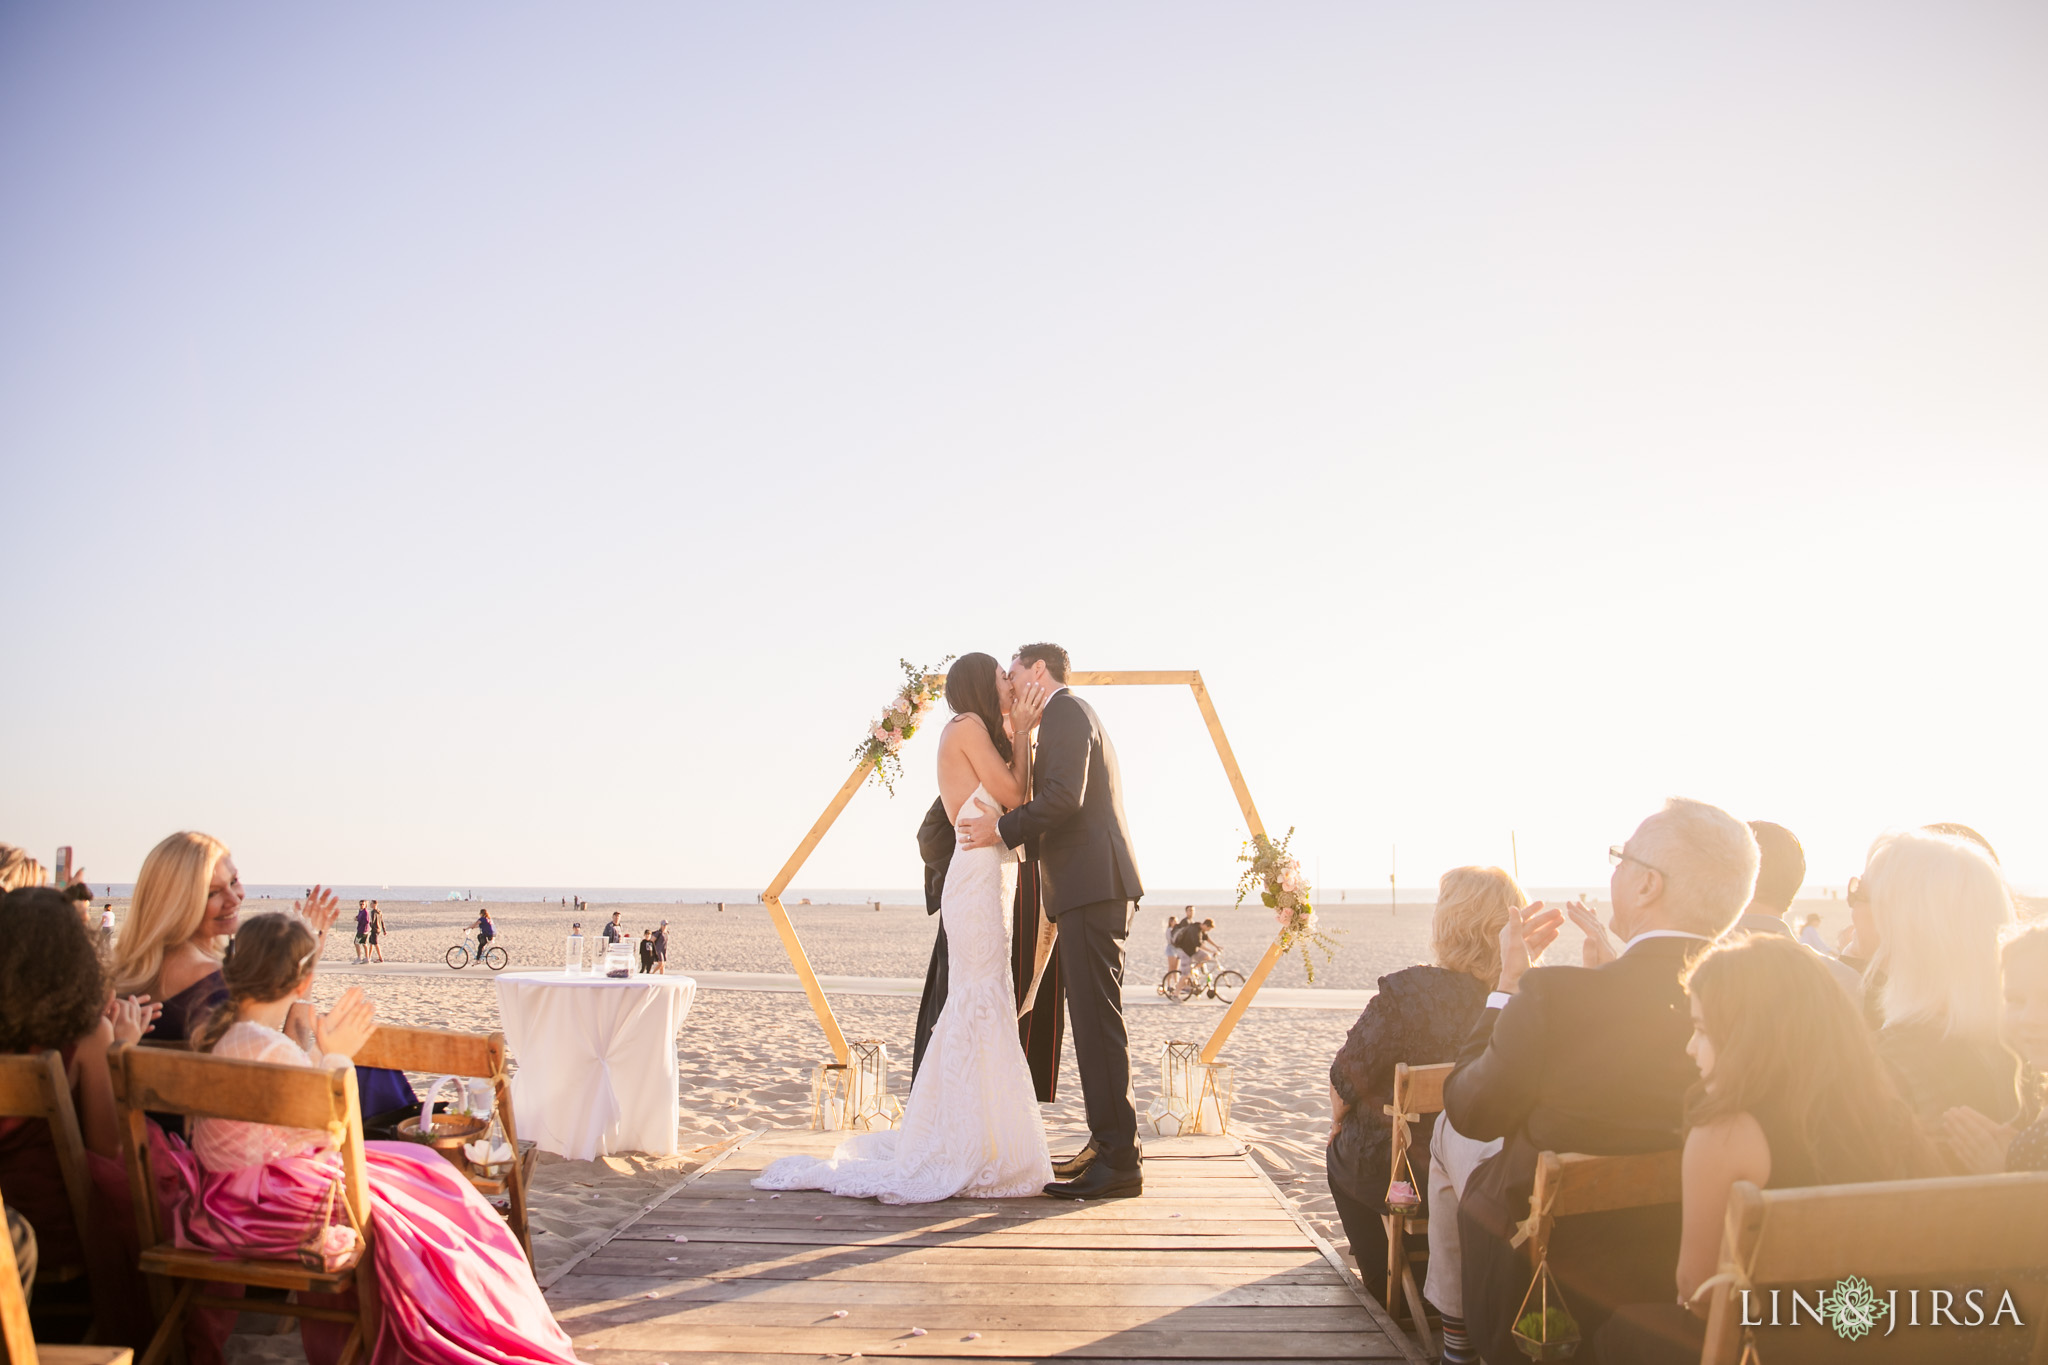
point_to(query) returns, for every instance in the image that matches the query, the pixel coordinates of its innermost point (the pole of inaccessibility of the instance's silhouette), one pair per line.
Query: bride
(971, 1126)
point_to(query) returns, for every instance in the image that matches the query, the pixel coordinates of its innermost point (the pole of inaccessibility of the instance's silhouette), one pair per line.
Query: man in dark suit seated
(1592, 1059)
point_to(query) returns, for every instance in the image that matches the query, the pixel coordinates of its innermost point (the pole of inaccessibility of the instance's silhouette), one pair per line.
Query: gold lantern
(1194, 1096)
(854, 1095)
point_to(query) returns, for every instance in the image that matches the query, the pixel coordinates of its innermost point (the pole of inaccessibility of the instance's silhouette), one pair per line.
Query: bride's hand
(1025, 708)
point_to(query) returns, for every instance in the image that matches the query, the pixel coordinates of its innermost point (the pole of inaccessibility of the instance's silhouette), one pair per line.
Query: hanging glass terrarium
(1194, 1096)
(854, 1094)
(1544, 1328)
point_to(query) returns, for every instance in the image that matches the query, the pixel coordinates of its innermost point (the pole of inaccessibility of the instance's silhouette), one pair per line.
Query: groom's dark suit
(1074, 826)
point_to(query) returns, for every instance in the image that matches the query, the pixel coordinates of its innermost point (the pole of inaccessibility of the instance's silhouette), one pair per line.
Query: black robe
(1040, 1031)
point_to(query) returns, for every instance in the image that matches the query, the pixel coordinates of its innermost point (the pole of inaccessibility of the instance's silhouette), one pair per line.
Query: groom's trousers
(1091, 953)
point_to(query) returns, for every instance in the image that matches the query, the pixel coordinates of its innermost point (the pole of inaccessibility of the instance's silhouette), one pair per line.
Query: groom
(1073, 825)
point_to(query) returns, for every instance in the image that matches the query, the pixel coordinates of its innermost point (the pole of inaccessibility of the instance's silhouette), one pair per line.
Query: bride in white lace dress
(971, 1126)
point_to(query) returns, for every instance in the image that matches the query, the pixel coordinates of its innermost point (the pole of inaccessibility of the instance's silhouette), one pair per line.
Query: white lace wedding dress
(971, 1126)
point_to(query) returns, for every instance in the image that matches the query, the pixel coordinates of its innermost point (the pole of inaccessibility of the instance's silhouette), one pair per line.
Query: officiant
(1040, 1028)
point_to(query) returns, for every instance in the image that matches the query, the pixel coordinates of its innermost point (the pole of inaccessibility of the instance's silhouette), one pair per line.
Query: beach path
(1211, 1264)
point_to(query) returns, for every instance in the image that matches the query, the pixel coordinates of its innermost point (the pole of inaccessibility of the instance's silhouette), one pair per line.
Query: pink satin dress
(454, 1286)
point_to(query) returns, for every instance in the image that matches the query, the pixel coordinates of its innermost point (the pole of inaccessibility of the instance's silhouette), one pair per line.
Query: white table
(597, 1060)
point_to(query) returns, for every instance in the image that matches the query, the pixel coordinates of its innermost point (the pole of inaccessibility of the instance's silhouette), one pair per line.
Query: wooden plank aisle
(1208, 1265)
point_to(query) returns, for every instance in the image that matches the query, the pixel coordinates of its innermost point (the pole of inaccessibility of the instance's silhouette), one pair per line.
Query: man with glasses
(1591, 1059)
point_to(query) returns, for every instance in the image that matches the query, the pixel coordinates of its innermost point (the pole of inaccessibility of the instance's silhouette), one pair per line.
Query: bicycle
(1181, 987)
(466, 952)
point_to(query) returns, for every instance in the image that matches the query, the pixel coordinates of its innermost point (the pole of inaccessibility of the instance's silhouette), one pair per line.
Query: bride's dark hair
(971, 691)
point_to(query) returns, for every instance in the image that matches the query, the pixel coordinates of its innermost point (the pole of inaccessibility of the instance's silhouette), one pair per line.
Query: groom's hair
(1052, 656)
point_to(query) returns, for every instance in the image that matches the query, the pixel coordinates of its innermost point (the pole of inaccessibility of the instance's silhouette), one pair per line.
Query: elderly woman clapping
(1419, 1017)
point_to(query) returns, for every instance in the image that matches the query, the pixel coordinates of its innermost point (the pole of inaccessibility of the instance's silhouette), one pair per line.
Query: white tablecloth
(596, 1058)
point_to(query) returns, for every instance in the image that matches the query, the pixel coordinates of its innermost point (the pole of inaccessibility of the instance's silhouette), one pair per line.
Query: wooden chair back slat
(1595, 1184)
(200, 1085)
(1420, 1089)
(1925, 1230)
(1569, 1183)
(446, 1052)
(1825, 1232)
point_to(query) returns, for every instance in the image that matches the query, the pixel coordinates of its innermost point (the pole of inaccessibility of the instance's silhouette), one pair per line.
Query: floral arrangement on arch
(1285, 891)
(922, 690)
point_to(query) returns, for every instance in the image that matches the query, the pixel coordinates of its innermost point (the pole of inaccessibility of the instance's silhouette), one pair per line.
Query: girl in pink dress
(454, 1287)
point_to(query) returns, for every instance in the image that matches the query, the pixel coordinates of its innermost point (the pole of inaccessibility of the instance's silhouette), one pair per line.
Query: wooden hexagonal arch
(772, 897)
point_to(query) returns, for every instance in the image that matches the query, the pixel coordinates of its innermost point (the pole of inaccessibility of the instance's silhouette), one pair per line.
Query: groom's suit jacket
(1074, 822)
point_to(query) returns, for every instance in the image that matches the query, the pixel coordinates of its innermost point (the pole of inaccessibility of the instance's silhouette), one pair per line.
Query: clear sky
(513, 444)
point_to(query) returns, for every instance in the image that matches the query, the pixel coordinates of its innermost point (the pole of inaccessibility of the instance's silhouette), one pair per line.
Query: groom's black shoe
(1100, 1181)
(1070, 1167)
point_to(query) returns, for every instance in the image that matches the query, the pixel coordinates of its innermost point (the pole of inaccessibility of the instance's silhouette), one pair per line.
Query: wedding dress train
(971, 1126)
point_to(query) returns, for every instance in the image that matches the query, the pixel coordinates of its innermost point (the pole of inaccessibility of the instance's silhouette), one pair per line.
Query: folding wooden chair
(35, 1087)
(15, 1333)
(199, 1085)
(1923, 1233)
(1418, 1090)
(1570, 1183)
(445, 1052)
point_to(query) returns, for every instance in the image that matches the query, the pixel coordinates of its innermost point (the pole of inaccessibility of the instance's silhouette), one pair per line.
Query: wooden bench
(34, 1086)
(446, 1052)
(1418, 1090)
(198, 1085)
(1918, 1231)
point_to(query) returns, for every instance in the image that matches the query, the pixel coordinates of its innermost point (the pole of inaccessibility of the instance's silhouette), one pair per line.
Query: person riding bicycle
(1191, 941)
(485, 931)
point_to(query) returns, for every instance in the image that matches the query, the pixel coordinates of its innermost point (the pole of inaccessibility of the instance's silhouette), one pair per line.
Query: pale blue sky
(513, 444)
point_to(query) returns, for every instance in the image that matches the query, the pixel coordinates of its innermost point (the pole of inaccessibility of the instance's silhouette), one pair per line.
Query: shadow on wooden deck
(1210, 1265)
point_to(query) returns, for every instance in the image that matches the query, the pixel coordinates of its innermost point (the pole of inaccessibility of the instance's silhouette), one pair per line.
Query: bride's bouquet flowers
(923, 688)
(1283, 889)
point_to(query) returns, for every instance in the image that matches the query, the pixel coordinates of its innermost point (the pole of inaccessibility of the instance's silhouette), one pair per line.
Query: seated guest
(187, 902)
(1420, 1016)
(1568, 1059)
(1790, 1093)
(54, 995)
(454, 1285)
(1860, 940)
(1978, 1143)
(1938, 903)
(1781, 869)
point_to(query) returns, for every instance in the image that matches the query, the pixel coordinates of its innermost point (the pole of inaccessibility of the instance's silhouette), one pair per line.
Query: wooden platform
(1210, 1264)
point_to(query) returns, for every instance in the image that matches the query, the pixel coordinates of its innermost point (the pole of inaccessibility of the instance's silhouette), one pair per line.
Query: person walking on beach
(613, 931)
(362, 932)
(646, 952)
(661, 950)
(376, 932)
(107, 924)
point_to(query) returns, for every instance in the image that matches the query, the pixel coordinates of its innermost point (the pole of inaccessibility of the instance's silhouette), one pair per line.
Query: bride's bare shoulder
(957, 733)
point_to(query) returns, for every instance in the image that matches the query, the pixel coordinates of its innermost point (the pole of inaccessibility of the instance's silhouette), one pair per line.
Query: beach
(745, 1056)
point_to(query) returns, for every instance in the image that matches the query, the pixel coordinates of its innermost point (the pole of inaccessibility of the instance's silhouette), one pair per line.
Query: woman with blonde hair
(186, 909)
(1419, 1017)
(1938, 903)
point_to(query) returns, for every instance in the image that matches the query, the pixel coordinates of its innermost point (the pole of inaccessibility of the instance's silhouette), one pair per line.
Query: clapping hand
(1975, 1141)
(1522, 940)
(343, 1030)
(1598, 949)
(318, 909)
(132, 1017)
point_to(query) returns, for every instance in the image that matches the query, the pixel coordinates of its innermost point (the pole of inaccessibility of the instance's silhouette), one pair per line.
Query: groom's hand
(979, 831)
